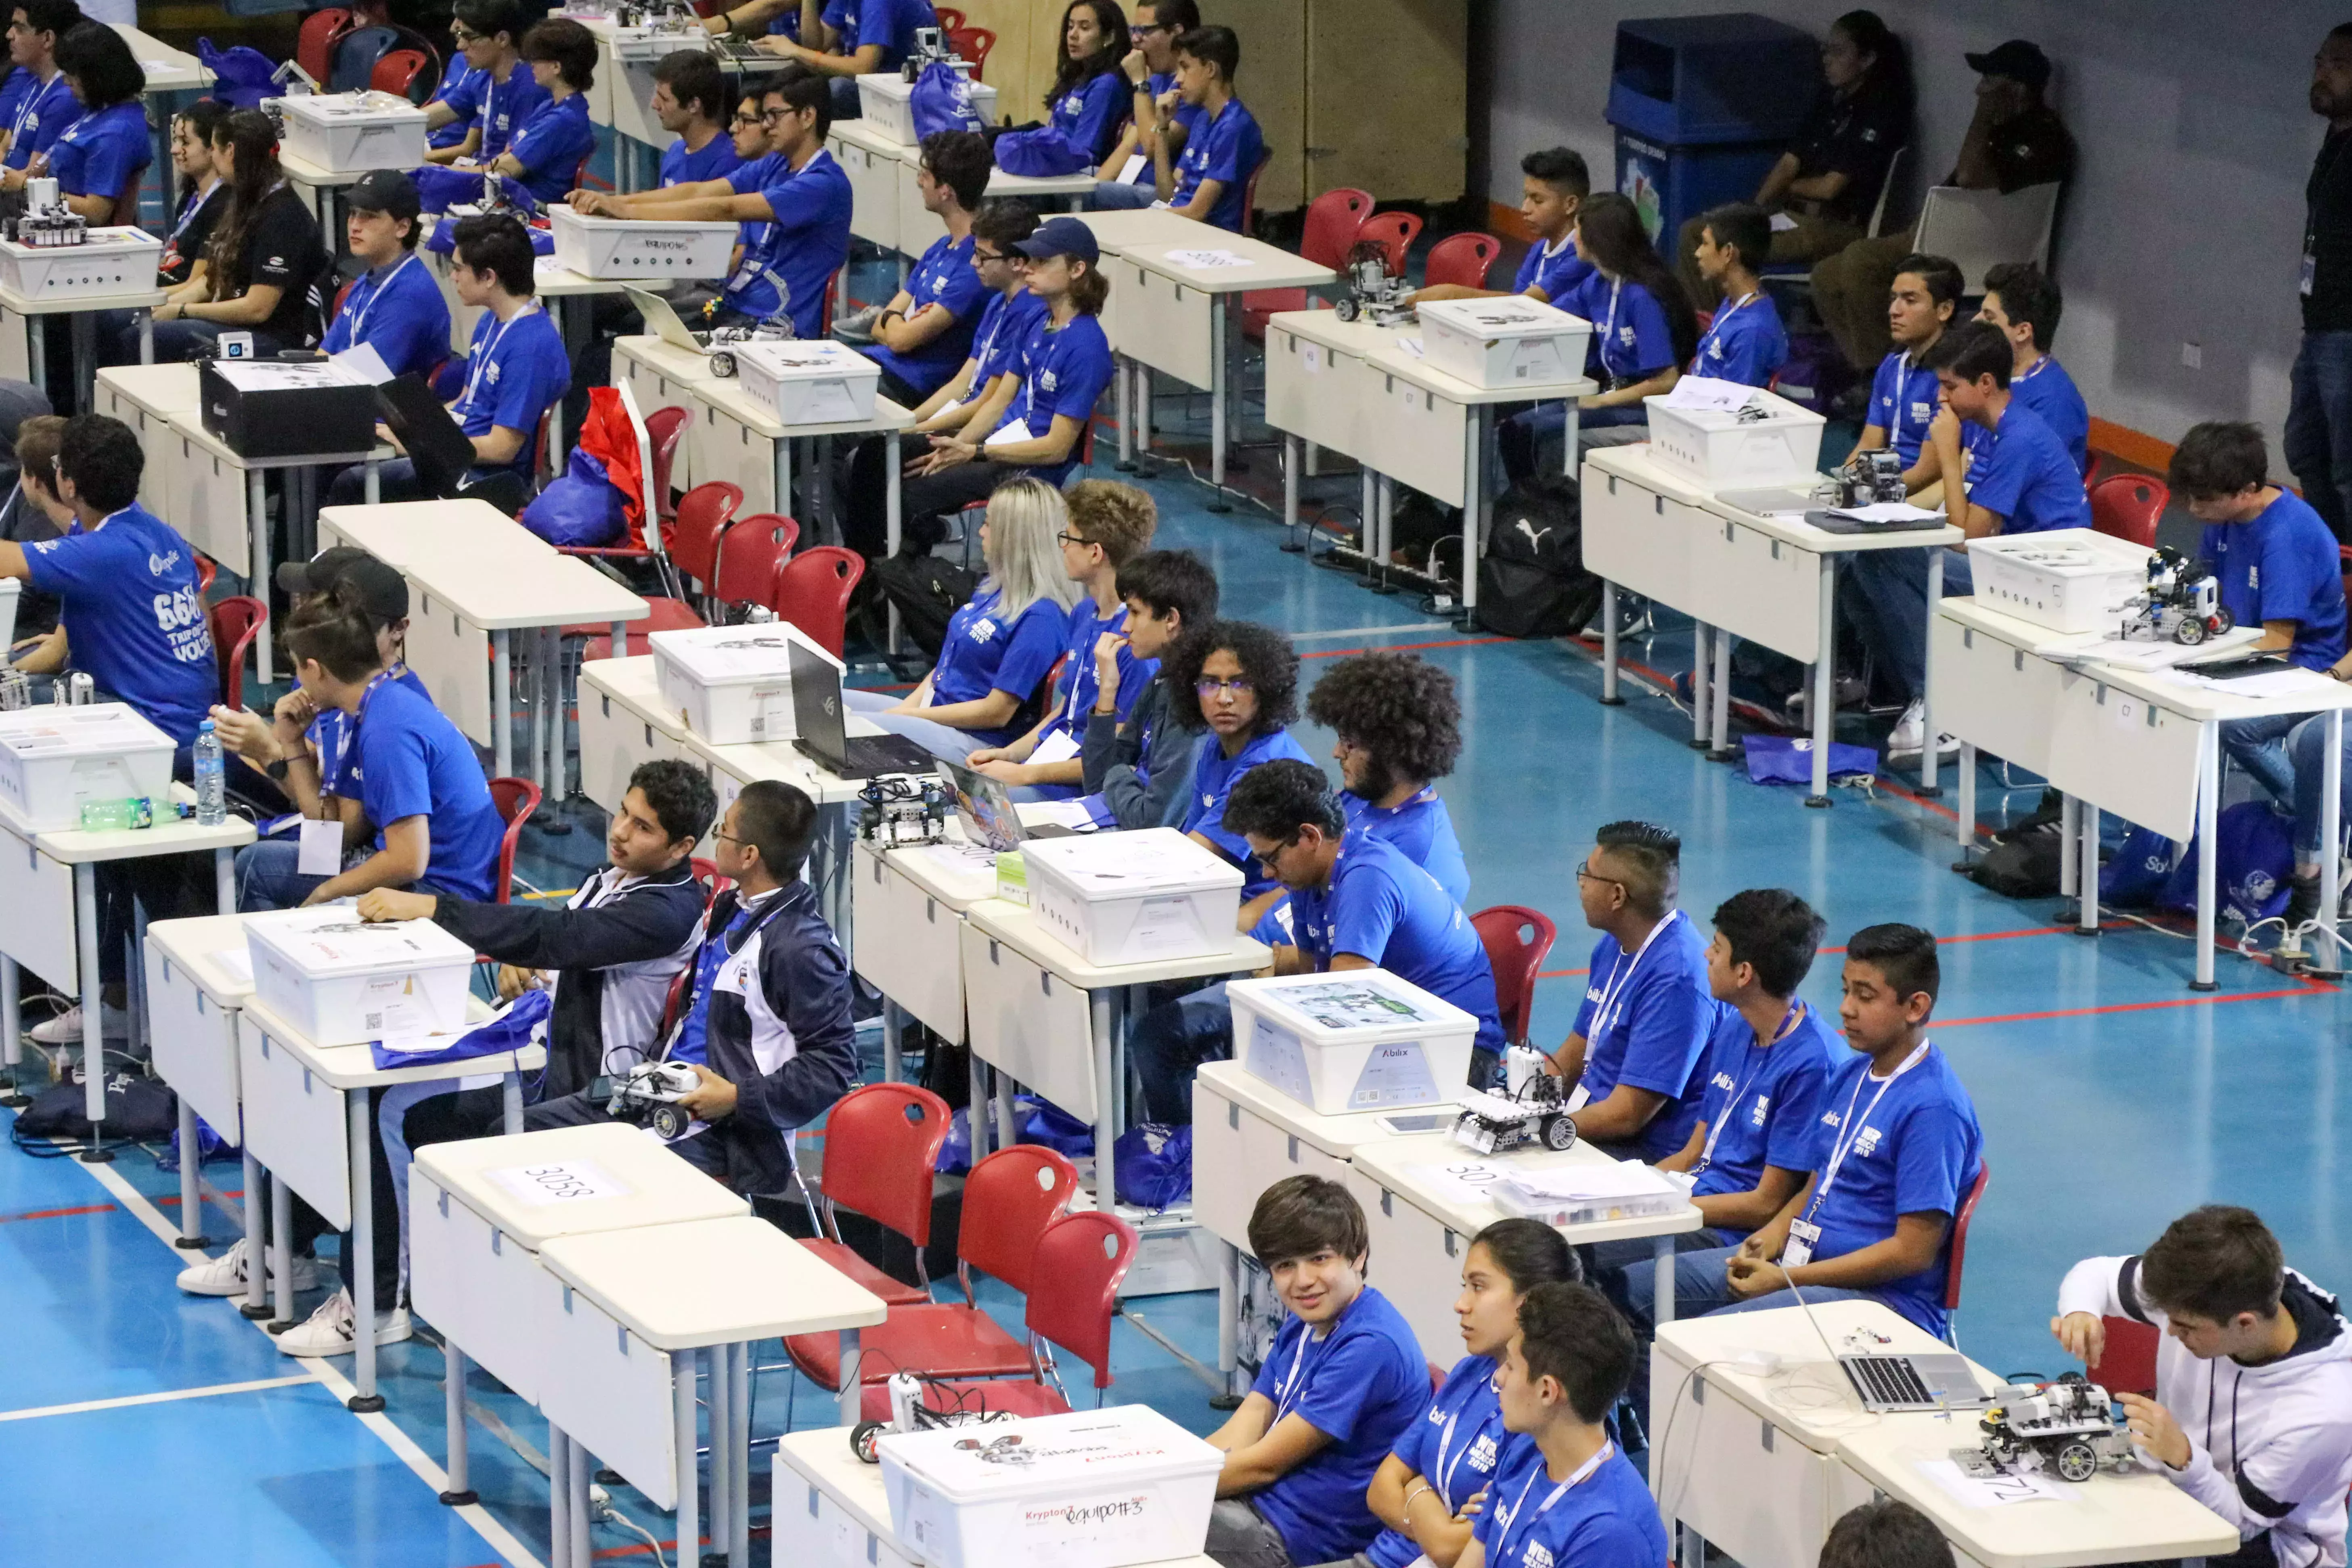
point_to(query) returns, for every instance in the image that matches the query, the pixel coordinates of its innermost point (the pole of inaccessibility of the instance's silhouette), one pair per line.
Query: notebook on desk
(1831, 523)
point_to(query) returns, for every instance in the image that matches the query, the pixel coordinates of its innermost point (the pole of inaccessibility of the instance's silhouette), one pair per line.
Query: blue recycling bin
(1704, 106)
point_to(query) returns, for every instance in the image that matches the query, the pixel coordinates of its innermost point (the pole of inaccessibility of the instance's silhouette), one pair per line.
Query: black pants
(399, 481)
(384, 1204)
(924, 504)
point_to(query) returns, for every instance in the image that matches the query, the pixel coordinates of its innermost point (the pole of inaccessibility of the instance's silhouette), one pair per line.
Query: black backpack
(928, 589)
(1532, 582)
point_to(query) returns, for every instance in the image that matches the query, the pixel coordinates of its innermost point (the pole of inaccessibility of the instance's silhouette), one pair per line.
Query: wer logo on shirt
(1535, 1556)
(982, 629)
(1763, 1104)
(1866, 1142)
(1045, 381)
(1923, 411)
(491, 373)
(1625, 337)
(1481, 1454)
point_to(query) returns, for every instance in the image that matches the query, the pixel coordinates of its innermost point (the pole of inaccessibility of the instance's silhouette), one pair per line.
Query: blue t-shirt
(802, 245)
(945, 276)
(1556, 271)
(1647, 1020)
(461, 94)
(1910, 1144)
(102, 154)
(1423, 828)
(501, 108)
(399, 312)
(514, 373)
(2027, 479)
(1761, 1104)
(1904, 398)
(1454, 1447)
(2283, 566)
(1363, 1385)
(1381, 906)
(1002, 334)
(331, 732)
(1227, 150)
(410, 760)
(1631, 340)
(1080, 684)
(1088, 118)
(1213, 777)
(1063, 371)
(2051, 393)
(890, 23)
(133, 616)
(1608, 1520)
(550, 144)
(1186, 115)
(680, 166)
(15, 85)
(983, 654)
(1745, 343)
(40, 117)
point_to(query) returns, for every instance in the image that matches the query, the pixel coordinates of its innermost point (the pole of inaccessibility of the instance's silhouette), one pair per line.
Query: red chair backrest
(703, 514)
(2097, 468)
(236, 621)
(1082, 1258)
(831, 298)
(666, 428)
(2128, 1363)
(972, 44)
(516, 800)
(1249, 191)
(1009, 1199)
(707, 877)
(1462, 259)
(206, 570)
(314, 46)
(948, 17)
(397, 73)
(1518, 940)
(2129, 505)
(1332, 220)
(750, 557)
(881, 1145)
(1960, 1234)
(1394, 232)
(811, 591)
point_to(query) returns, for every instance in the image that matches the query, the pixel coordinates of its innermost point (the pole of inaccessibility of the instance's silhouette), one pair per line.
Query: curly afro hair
(1397, 706)
(1267, 658)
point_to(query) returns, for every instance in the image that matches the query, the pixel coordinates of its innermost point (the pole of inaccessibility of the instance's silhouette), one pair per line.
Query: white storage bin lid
(92, 729)
(1358, 1006)
(567, 1181)
(331, 940)
(1138, 864)
(118, 239)
(351, 108)
(806, 359)
(561, 216)
(1759, 405)
(1512, 316)
(2066, 552)
(734, 655)
(1091, 1447)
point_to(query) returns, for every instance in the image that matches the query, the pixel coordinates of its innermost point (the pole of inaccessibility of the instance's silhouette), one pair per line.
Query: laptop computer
(985, 807)
(662, 320)
(1929, 1381)
(442, 452)
(825, 728)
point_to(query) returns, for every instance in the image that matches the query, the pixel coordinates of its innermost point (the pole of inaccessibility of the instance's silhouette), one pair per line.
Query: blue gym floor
(142, 1426)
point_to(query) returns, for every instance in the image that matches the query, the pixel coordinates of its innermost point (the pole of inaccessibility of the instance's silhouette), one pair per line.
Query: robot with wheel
(1374, 293)
(2067, 1427)
(1529, 1111)
(2183, 602)
(649, 1096)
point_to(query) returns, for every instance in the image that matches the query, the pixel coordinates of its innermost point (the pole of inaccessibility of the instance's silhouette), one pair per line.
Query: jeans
(1885, 596)
(2317, 440)
(1240, 1537)
(939, 740)
(2253, 744)
(1171, 1041)
(1114, 196)
(2307, 749)
(266, 879)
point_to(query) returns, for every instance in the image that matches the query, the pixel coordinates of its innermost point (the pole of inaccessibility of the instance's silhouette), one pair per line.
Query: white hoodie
(2270, 1445)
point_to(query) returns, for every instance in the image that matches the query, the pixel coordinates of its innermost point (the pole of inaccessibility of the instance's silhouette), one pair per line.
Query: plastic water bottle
(212, 783)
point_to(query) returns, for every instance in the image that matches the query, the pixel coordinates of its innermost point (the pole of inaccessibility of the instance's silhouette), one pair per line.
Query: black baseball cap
(1061, 237)
(383, 590)
(386, 191)
(2016, 60)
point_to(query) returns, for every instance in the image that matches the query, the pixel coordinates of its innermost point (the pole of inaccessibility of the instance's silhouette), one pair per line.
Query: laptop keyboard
(1888, 1380)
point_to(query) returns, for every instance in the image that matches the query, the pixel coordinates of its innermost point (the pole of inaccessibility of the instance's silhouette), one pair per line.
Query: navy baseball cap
(1061, 237)
(386, 191)
(2018, 61)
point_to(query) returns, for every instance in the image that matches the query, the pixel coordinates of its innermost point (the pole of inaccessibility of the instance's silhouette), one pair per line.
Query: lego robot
(2067, 1427)
(903, 808)
(1374, 295)
(649, 1096)
(908, 1413)
(1530, 1110)
(2183, 602)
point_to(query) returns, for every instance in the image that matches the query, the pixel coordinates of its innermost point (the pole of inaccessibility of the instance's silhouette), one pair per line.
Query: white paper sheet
(237, 960)
(1070, 814)
(1885, 511)
(1055, 747)
(1015, 431)
(1999, 1491)
(1783, 223)
(1709, 392)
(363, 360)
(321, 854)
(2289, 682)
(1200, 260)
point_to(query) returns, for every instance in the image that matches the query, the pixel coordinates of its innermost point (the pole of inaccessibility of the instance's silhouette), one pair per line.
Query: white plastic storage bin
(1094, 1488)
(1723, 451)
(731, 684)
(1361, 1040)
(611, 248)
(352, 133)
(1507, 342)
(343, 981)
(53, 760)
(651, 44)
(886, 101)
(808, 380)
(107, 261)
(2068, 579)
(1142, 897)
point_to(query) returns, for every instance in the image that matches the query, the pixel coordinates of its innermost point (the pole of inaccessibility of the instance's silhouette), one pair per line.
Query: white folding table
(907, 913)
(199, 975)
(622, 726)
(24, 348)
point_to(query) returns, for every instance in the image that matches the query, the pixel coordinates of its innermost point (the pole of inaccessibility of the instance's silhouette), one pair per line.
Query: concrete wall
(2185, 220)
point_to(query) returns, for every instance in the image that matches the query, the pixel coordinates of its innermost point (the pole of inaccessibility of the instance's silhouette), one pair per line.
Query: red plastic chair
(516, 800)
(314, 46)
(811, 591)
(1249, 193)
(1394, 232)
(1085, 1256)
(1332, 220)
(1461, 259)
(205, 571)
(2127, 1365)
(666, 429)
(882, 1145)
(972, 44)
(948, 17)
(2129, 505)
(1009, 1199)
(399, 72)
(1960, 1247)
(754, 550)
(235, 622)
(2096, 471)
(1518, 940)
(703, 517)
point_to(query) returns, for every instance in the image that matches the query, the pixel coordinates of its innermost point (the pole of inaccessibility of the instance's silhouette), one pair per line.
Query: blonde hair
(1025, 557)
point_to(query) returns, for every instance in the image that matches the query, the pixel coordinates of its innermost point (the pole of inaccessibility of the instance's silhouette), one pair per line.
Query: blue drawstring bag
(210, 1146)
(580, 506)
(515, 1025)
(942, 102)
(2142, 866)
(1155, 1164)
(1044, 152)
(1785, 759)
(1038, 1122)
(241, 76)
(2253, 861)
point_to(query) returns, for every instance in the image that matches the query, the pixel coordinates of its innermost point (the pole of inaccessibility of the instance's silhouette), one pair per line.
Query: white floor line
(163, 1398)
(1374, 631)
(436, 1479)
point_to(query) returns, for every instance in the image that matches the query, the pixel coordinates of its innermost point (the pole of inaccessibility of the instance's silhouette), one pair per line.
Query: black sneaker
(2302, 902)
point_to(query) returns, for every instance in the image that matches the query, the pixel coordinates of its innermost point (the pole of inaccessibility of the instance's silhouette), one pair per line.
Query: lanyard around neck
(1850, 1129)
(482, 364)
(1621, 979)
(1443, 1472)
(359, 316)
(1731, 1106)
(1559, 1491)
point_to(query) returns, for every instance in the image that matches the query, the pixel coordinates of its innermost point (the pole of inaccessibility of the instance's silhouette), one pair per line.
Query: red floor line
(1974, 936)
(2306, 989)
(57, 1214)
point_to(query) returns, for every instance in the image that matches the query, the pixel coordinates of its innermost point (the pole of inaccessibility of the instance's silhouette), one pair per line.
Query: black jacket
(1140, 768)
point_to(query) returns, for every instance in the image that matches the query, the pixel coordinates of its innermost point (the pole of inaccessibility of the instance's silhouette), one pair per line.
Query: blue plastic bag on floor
(210, 1146)
(2142, 866)
(1789, 759)
(2253, 862)
(580, 506)
(1038, 1121)
(1155, 1164)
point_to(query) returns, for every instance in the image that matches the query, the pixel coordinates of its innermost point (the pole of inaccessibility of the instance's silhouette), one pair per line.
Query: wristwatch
(277, 769)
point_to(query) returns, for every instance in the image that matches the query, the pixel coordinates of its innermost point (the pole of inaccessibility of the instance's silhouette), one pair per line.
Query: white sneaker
(329, 1333)
(1904, 741)
(1848, 691)
(65, 1029)
(857, 326)
(225, 1275)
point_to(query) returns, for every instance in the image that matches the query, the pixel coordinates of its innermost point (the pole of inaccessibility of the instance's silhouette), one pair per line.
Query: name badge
(1802, 1234)
(2310, 274)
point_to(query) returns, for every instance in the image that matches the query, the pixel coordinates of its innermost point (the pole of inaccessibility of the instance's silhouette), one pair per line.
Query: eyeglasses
(722, 833)
(773, 116)
(980, 255)
(1584, 875)
(1209, 686)
(1272, 860)
(462, 37)
(1067, 538)
(747, 120)
(1140, 28)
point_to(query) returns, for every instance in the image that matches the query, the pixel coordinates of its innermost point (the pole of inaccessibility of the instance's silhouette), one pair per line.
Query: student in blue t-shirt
(1396, 721)
(1126, 177)
(1086, 103)
(1639, 1043)
(494, 101)
(691, 100)
(99, 158)
(2024, 305)
(1900, 1150)
(924, 331)
(1745, 342)
(455, 83)
(1208, 180)
(1567, 1497)
(551, 148)
(840, 40)
(1342, 1384)
(1903, 393)
(394, 307)
(1245, 682)
(47, 104)
(1110, 525)
(1430, 1490)
(1553, 185)
(1001, 643)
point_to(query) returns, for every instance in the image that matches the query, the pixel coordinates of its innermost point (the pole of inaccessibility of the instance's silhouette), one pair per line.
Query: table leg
(1008, 1130)
(1719, 725)
(1702, 668)
(534, 685)
(1220, 377)
(2331, 837)
(256, 1305)
(1473, 507)
(1107, 1095)
(37, 353)
(362, 1240)
(739, 1444)
(510, 1107)
(1574, 410)
(1661, 1254)
(257, 527)
(851, 1401)
(1121, 372)
(687, 1435)
(374, 491)
(976, 1109)
(1290, 458)
(893, 1057)
(2070, 815)
(1928, 736)
(1229, 1311)
(1384, 535)
(224, 880)
(82, 332)
(2208, 812)
(501, 704)
(281, 1255)
(559, 1506)
(1824, 689)
(719, 1401)
(1964, 821)
(459, 1490)
(1609, 698)
(894, 520)
(192, 1193)
(93, 1043)
(560, 309)
(784, 477)
(12, 1035)
(1142, 411)
(146, 336)
(2087, 881)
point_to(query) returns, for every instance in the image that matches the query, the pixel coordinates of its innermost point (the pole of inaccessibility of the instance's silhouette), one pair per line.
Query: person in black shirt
(1826, 184)
(262, 266)
(2318, 435)
(2014, 140)
(202, 195)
